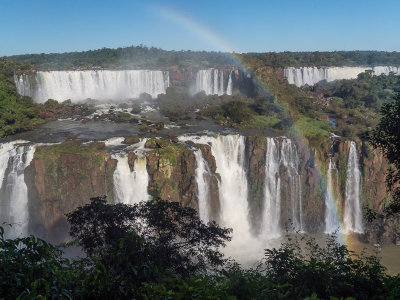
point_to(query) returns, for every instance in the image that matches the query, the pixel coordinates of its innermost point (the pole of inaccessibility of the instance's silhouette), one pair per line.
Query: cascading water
(101, 85)
(331, 217)
(290, 162)
(211, 81)
(229, 88)
(352, 211)
(203, 191)
(278, 161)
(272, 192)
(131, 187)
(312, 75)
(229, 153)
(14, 205)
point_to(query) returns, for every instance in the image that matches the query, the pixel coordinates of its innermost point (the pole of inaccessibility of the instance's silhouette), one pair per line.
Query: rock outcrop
(171, 169)
(255, 165)
(62, 177)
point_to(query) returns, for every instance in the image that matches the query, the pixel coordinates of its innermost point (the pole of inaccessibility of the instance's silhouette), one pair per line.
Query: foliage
(176, 236)
(126, 259)
(17, 113)
(386, 137)
(317, 58)
(134, 56)
(32, 268)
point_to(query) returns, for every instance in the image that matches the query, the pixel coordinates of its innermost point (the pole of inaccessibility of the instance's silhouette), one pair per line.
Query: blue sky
(37, 26)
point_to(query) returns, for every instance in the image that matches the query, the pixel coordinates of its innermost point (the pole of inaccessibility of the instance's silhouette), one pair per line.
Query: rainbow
(213, 39)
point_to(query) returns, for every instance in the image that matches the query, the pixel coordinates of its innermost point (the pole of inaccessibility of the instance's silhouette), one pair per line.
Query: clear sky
(44, 26)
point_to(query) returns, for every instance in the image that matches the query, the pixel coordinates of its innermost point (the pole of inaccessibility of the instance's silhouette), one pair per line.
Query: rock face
(62, 177)
(313, 188)
(255, 165)
(171, 169)
(212, 179)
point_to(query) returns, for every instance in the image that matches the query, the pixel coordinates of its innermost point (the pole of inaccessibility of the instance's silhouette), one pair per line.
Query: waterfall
(278, 161)
(229, 153)
(102, 85)
(312, 75)
(203, 191)
(211, 81)
(290, 162)
(131, 187)
(272, 192)
(229, 88)
(386, 70)
(352, 210)
(14, 205)
(331, 218)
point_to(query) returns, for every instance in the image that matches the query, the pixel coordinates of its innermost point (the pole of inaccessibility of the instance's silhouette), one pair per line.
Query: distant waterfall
(131, 187)
(203, 190)
(211, 81)
(101, 85)
(312, 75)
(14, 204)
(352, 210)
(229, 88)
(272, 192)
(331, 217)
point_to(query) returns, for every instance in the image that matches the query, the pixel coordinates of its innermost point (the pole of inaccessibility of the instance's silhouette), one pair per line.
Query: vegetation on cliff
(386, 138)
(160, 250)
(17, 113)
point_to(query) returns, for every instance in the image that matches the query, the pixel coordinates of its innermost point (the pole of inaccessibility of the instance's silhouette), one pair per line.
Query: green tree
(178, 239)
(386, 138)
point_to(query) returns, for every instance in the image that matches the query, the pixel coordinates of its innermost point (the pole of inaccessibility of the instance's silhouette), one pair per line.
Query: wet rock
(128, 140)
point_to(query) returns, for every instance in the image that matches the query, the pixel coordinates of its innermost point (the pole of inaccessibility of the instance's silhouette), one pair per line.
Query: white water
(5, 154)
(312, 75)
(131, 187)
(290, 161)
(229, 88)
(229, 153)
(331, 218)
(272, 192)
(14, 209)
(102, 85)
(277, 161)
(352, 209)
(203, 190)
(211, 81)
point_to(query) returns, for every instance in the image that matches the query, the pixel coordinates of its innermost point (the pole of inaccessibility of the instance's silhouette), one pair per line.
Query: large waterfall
(290, 161)
(212, 82)
(312, 75)
(102, 85)
(15, 157)
(272, 192)
(278, 164)
(203, 190)
(131, 186)
(229, 153)
(352, 211)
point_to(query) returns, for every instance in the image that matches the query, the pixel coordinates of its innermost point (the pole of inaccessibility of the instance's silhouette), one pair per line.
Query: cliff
(171, 169)
(62, 177)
